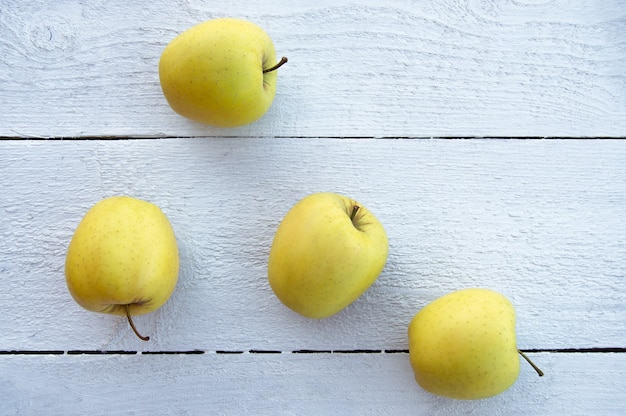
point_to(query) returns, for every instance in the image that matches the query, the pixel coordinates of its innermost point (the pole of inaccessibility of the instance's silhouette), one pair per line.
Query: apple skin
(213, 72)
(463, 346)
(320, 260)
(123, 252)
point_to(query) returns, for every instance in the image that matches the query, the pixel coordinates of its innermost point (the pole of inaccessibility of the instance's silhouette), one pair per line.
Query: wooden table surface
(489, 137)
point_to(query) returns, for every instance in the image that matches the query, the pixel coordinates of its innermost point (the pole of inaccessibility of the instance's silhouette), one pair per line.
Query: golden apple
(123, 258)
(463, 345)
(220, 72)
(328, 250)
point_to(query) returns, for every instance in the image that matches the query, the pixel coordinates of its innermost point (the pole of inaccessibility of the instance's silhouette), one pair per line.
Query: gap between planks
(598, 350)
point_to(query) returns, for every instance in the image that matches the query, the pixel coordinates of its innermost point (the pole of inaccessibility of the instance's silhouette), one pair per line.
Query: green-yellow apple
(328, 250)
(463, 346)
(220, 72)
(123, 258)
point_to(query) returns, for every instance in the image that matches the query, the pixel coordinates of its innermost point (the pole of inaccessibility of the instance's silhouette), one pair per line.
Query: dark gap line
(190, 352)
(28, 352)
(577, 350)
(103, 352)
(396, 351)
(312, 352)
(597, 350)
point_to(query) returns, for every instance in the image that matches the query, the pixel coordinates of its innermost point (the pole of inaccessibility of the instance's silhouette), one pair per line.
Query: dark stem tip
(132, 325)
(280, 63)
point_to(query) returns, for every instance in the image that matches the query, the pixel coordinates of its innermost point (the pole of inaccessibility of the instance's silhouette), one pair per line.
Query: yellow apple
(220, 72)
(463, 345)
(328, 250)
(123, 258)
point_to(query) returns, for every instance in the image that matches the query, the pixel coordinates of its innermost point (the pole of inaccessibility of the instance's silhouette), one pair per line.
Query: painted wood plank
(542, 221)
(430, 68)
(289, 384)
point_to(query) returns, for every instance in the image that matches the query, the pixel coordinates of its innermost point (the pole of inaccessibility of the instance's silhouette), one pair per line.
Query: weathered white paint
(292, 384)
(365, 68)
(542, 221)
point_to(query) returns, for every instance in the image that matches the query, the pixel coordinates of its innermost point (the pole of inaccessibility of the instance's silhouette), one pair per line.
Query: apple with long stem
(122, 259)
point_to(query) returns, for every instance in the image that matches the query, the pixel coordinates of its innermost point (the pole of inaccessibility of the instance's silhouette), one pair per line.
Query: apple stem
(132, 325)
(537, 369)
(355, 209)
(282, 61)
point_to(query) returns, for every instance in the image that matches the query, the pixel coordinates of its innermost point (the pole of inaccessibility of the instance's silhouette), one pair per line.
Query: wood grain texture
(292, 384)
(541, 221)
(431, 68)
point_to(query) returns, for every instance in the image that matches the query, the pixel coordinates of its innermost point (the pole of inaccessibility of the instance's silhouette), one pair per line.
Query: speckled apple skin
(123, 252)
(463, 345)
(213, 72)
(321, 260)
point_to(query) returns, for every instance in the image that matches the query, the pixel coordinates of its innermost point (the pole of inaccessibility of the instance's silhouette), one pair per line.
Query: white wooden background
(373, 103)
